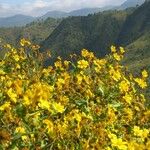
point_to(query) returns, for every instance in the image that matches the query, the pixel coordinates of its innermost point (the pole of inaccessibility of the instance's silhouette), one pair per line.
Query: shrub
(85, 103)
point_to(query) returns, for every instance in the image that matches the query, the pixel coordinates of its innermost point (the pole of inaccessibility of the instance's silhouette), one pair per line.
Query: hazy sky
(39, 7)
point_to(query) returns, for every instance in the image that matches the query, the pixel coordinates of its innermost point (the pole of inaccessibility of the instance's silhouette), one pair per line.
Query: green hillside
(95, 32)
(129, 28)
(36, 31)
(135, 36)
(136, 24)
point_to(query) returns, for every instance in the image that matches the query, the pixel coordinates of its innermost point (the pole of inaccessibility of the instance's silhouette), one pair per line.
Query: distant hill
(36, 31)
(54, 14)
(79, 12)
(17, 20)
(21, 20)
(95, 32)
(84, 12)
(87, 11)
(131, 3)
(135, 35)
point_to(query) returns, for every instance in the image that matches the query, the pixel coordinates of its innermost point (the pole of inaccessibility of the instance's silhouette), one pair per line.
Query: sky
(40, 7)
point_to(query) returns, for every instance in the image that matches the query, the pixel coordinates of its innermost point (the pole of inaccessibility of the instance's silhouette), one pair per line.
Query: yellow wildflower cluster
(90, 104)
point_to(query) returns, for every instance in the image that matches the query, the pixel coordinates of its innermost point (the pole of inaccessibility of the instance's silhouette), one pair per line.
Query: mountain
(17, 20)
(95, 32)
(54, 14)
(22, 20)
(79, 12)
(36, 31)
(84, 12)
(131, 3)
(135, 35)
(129, 28)
(135, 27)
(87, 11)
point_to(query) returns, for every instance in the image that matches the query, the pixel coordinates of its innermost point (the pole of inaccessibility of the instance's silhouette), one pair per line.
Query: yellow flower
(113, 49)
(16, 58)
(148, 145)
(89, 94)
(145, 133)
(129, 113)
(25, 42)
(124, 86)
(45, 72)
(79, 79)
(128, 98)
(111, 114)
(86, 53)
(58, 64)
(78, 117)
(44, 104)
(64, 99)
(49, 124)
(141, 82)
(26, 100)
(66, 63)
(117, 56)
(97, 62)
(117, 142)
(60, 82)
(9, 83)
(133, 145)
(8, 46)
(144, 74)
(83, 64)
(20, 130)
(18, 86)
(58, 107)
(12, 95)
(116, 75)
(141, 133)
(122, 50)
(2, 72)
(86, 79)
(18, 66)
(63, 127)
(5, 106)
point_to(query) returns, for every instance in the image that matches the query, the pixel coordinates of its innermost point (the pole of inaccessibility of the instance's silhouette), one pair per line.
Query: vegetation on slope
(36, 31)
(96, 32)
(136, 24)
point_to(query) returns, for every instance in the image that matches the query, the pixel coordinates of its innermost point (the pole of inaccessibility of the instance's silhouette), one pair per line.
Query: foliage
(36, 31)
(95, 32)
(134, 27)
(85, 103)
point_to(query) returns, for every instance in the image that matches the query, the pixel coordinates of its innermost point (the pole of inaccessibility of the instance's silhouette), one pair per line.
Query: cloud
(39, 7)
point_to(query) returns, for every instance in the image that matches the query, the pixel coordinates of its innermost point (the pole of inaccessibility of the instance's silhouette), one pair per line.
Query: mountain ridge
(16, 20)
(22, 20)
(131, 3)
